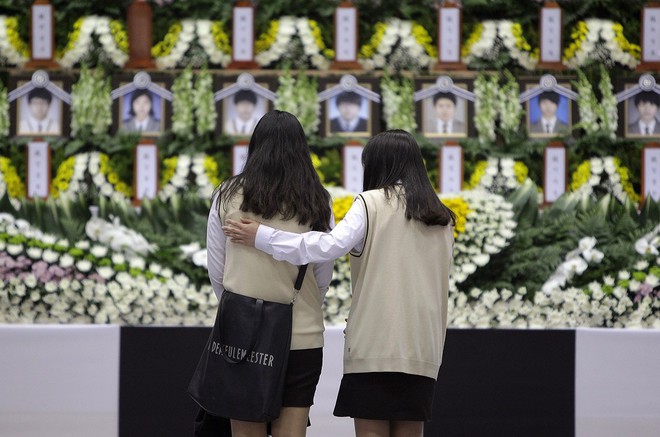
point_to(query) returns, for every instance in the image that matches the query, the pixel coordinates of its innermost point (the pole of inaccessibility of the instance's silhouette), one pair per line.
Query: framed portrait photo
(444, 114)
(348, 114)
(143, 111)
(242, 111)
(642, 115)
(39, 113)
(549, 114)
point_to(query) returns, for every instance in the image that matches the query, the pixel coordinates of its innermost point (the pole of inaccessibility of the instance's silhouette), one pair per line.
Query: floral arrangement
(398, 45)
(626, 302)
(601, 41)
(183, 123)
(13, 50)
(294, 41)
(299, 96)
(111, 35)
(204, 103)
(488, 228)
(508, 106)
(498, 175)
(490, 38)
(398, 103)
(203, 40)
(43, 279)
(485, 107)
(71, 177)
(91, 104)
(608, 175)
(178, 171)
(597, 117)
(10, 182)
(4, 111)
(576, 262)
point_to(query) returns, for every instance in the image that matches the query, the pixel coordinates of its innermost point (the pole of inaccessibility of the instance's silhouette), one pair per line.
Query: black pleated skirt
(385, 396)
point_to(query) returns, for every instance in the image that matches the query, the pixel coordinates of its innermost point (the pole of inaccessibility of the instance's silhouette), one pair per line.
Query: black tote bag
(241, 372)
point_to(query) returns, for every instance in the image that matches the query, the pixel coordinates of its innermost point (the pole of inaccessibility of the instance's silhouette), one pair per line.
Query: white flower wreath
(600, 40)
(288, 28)
(99, 26)
(496, 34)
(7, 49)
(191, 30)
(397, 46)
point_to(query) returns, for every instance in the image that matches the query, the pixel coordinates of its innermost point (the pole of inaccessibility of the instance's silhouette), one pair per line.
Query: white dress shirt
(316, 247)
(644, 126)
(445, 126)
(549, 124)
(216, 241)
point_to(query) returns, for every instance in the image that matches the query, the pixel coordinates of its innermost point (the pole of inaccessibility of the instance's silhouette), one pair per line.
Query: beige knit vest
(398, 316)
(250, 272)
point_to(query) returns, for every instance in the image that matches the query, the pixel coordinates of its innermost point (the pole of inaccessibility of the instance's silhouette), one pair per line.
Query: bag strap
(299, 280)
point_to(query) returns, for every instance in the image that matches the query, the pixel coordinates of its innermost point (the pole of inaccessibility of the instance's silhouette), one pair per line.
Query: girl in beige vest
(400, 238)
(280, 187)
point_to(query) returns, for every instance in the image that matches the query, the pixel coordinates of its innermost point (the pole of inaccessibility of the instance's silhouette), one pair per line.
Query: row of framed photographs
(443, 115)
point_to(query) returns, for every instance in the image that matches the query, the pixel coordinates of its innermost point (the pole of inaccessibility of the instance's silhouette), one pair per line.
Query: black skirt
(385, 396)
(302, 376)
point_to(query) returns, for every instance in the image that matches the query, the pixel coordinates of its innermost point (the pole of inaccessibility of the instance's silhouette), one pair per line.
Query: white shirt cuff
(262, 239)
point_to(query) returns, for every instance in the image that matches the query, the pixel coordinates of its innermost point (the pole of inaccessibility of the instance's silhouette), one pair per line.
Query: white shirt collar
(545, 122)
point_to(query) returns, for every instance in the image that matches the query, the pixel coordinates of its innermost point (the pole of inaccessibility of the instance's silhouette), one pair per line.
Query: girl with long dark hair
(280, 187)
(400, 237)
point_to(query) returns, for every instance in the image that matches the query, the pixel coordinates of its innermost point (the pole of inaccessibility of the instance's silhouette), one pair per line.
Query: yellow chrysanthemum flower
(15, 186)
(220, 37)
(119, 35)
(211, 169)
(477, 174)
(461, 208)
(268, 38)
(472, 39)
(340, 207)
(165, 47)
(14, 37)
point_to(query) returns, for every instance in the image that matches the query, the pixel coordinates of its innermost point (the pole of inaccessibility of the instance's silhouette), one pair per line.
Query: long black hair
(392, 159)
(279, 178)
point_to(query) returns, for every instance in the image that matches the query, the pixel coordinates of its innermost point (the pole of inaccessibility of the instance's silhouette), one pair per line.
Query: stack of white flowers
(77, 181)
(609, 116)
(299, 96)
(100, 26)
(508, 105)
(183, 123)
(485, 107)
(398, 104)
(4, 111)
(290, 27)
(398, 49)
(8, 51)
(488, 229)
(600, 45)
(204, 103)
(587, 105)
(91, 103)
(495, 35)
(575, 263)
(338, 298)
